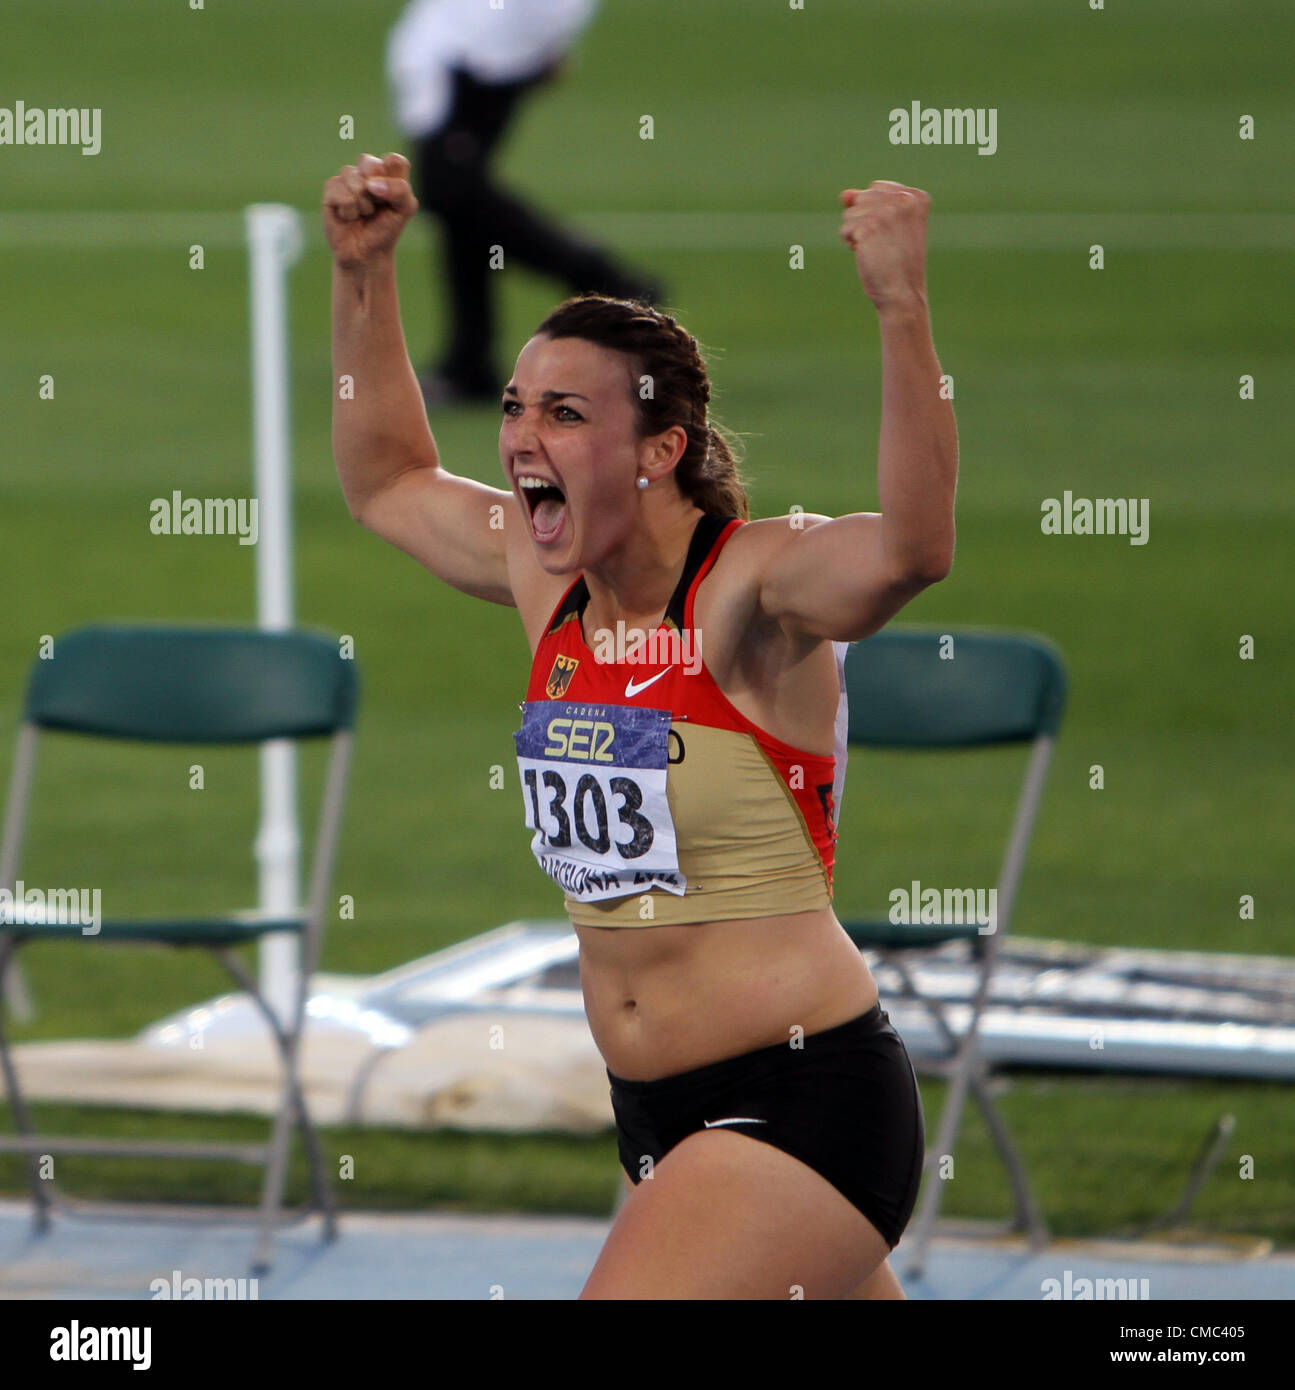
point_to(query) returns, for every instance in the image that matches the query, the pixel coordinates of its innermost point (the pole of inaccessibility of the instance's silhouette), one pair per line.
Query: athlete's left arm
(845, 577)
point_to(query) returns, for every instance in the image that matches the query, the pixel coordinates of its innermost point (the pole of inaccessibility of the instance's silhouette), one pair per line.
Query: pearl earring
(642, 482)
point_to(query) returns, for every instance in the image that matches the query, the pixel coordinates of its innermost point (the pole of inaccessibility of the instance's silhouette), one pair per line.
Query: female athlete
(680, 751)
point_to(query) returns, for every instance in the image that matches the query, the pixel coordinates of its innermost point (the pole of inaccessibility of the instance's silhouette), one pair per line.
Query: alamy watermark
(21, 124)
(949, 125)
(23, 906)
(191, 1287)
(73, 1342)
(1069, 515)
(661, 647)
(1070, 1287)
(178, 515)
(916, 905)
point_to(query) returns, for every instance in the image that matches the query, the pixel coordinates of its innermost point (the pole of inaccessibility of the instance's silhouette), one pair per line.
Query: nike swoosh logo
(710, 1124)
(631, 689)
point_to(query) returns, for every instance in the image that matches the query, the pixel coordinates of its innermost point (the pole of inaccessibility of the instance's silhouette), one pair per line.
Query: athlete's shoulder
(729, 601)
(756, 542)
(752, 553)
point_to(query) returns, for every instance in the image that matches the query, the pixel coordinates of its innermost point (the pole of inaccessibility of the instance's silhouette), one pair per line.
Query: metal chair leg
(22, 1119)
(1029, 1216)
(276, 1172)
(950, 1118)
(319, 1185)
(927, 1210)
(287, 1044)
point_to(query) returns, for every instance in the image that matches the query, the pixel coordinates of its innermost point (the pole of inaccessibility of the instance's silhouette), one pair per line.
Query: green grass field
(1119, 382)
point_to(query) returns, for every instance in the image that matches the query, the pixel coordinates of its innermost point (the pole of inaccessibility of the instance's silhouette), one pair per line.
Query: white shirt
(841, 749)
(506, 44)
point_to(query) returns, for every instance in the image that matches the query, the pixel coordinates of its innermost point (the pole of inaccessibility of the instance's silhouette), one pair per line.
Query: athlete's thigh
(728, 1216)
(880, 1284)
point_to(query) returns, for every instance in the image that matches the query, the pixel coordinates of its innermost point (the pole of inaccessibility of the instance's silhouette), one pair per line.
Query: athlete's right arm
(386, 457)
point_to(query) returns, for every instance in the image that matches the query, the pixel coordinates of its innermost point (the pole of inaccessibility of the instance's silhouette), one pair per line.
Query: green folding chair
(192, 686)
(905, 691)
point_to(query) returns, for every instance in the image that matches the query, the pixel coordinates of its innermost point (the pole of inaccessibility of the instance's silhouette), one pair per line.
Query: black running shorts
(846, 1103)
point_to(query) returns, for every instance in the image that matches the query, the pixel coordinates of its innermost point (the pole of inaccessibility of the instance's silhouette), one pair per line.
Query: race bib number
(594, 788)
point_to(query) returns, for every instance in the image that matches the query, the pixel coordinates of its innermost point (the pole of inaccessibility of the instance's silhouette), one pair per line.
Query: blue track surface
(420, 1256)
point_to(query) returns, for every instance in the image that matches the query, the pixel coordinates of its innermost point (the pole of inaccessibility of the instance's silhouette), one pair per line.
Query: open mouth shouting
(547, 504)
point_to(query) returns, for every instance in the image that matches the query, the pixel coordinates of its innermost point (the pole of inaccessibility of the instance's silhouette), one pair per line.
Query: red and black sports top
(653, 800)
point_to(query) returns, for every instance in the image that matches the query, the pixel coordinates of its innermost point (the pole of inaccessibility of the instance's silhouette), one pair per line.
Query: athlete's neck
(634, 585)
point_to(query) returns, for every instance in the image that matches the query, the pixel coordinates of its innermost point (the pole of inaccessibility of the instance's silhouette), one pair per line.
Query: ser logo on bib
(594, 789)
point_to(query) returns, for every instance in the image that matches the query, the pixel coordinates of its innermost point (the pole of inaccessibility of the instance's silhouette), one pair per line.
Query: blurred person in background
(458, 70)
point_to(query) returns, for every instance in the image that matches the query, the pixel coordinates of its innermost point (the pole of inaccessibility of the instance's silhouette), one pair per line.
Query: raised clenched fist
(366, 207)
(885, 226)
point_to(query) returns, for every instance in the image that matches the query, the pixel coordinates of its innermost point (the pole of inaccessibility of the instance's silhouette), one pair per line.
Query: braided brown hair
(666, 364)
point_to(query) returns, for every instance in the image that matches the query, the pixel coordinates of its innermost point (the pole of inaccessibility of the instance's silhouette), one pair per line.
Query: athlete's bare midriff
(665, 999)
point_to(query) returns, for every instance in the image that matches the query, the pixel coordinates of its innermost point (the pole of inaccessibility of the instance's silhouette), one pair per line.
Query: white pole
(274, 242)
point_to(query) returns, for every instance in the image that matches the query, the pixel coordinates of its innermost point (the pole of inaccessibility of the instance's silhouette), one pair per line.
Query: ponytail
(716, 486)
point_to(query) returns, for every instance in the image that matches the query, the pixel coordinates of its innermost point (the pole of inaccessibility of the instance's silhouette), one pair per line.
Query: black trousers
(453, 183)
